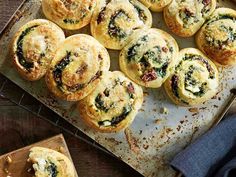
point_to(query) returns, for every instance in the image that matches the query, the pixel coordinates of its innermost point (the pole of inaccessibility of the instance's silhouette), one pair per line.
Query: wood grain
(19, 165)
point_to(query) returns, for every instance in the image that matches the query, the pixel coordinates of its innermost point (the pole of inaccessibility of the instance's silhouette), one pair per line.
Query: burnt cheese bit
(101, 15)
(57, 72)
(113, 29)
(174, 85)
(206, 2)
(208, 66)
(117, 119)
(130, 89)
(141, 13)
(52, 169)
(149, 75)
(19, 50)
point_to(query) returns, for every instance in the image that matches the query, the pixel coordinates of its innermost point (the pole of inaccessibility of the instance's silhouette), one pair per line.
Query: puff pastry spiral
(113, 105)
(33, 48)
(149, 58)
(114, 21)
(195, 79)
(77, 67)
(217, 38)
(185, 17)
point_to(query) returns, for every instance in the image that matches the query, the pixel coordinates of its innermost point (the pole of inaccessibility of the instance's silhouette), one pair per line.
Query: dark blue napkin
(212, 155)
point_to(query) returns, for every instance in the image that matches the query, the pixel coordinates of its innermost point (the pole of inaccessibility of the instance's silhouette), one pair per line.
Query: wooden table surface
(19, 128)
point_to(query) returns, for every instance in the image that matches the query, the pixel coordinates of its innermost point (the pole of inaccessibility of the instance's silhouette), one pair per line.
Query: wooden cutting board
(19, 167)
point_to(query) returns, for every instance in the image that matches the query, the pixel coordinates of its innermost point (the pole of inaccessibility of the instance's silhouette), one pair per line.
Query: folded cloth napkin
(212, 155)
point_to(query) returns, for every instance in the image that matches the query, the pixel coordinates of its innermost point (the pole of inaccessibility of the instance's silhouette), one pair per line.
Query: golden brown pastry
(113, 105)
(114, 21)
(217, 38)
(149, 58)
(69, 14)
(77, 67)
(195, 79)
(33, 48)
(50, 163)
(156, 5)
(185, 17)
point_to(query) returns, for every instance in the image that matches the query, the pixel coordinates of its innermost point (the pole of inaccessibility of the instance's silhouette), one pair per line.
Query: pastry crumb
(164, 110)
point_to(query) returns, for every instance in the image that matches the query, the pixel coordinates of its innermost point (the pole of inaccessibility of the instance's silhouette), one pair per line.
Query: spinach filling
(57, 72)
(70, 21)
(99, 103)
(52, 169)
(174, 85)
(116, 120)
(113, 29)
(221, 17)
(19, 50)
(231, 37)
(141, 13)
(190, 81)
(199, 58)
(132, 51)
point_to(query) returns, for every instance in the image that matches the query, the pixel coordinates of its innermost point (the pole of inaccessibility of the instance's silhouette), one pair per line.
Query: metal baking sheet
(153, 138)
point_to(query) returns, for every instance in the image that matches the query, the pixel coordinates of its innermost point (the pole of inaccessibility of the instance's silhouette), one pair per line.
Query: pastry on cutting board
(50, 163)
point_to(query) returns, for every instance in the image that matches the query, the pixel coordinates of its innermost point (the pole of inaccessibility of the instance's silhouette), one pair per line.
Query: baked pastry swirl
(155, 5)
(185, 17)
(114, 21)
(77, 67)
(149, 58)
(113, 105)
(195, 79)
(33, 48)
(69, 14)
(47, 162)
(217, 38)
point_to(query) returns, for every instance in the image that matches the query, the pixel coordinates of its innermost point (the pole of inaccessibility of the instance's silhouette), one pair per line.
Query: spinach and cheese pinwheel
(155, 5)
(113, 105)
(217, 38)
(77, 67)
(185, 17)
(48, 162)
(149, 58)
(33, 48)
(114, 21)
(195, 79)
(69, 14)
